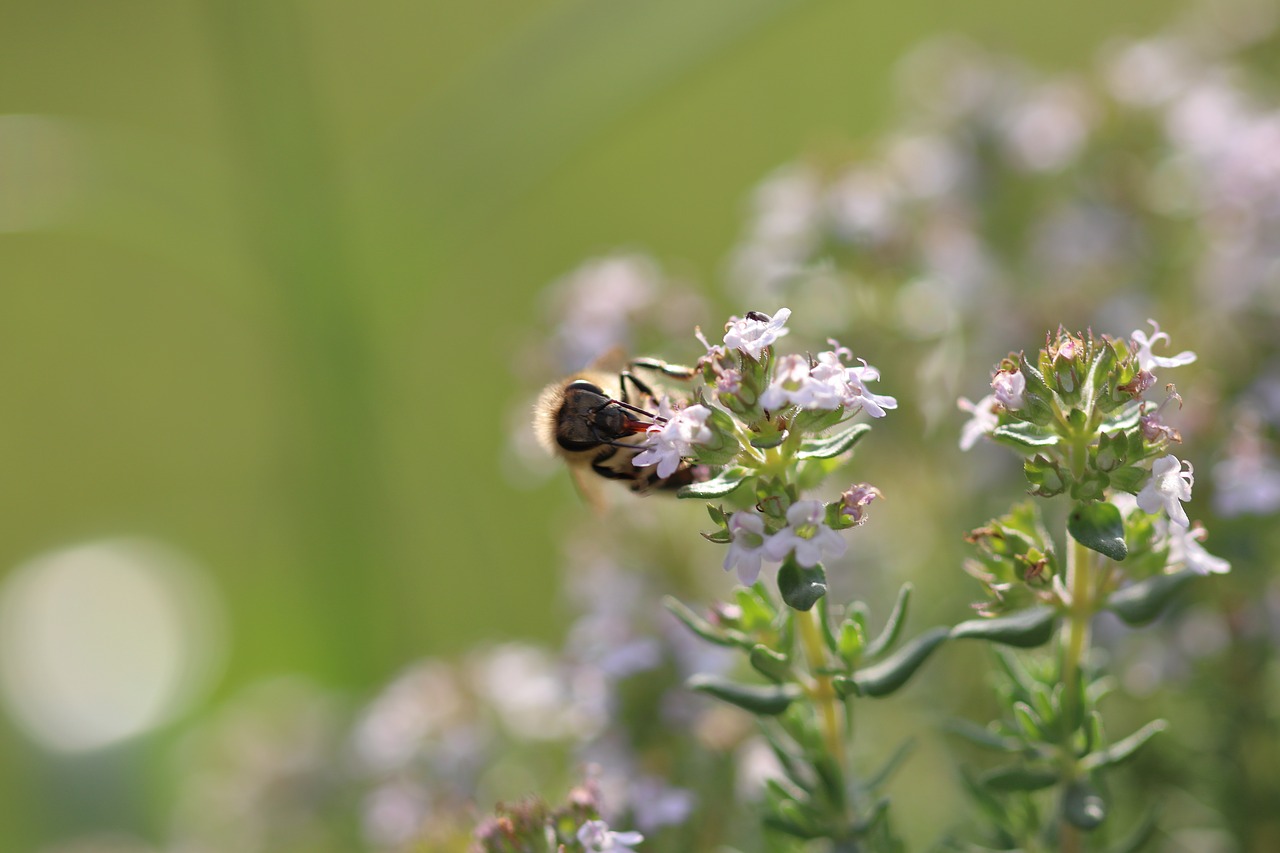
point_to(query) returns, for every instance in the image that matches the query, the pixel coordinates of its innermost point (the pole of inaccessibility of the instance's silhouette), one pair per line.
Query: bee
(588, 419)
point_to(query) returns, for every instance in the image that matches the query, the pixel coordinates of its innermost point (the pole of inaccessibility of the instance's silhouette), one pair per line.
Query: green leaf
(768, 435)
(886, 677)
(1141, 834)
(1019, 777)
(800, 587)
(1098, 526)
(1139, 603)
(831, 446)
(1126, 420)
(702, 627)
(718, 486)
(988, 802)
(772, 665)
(881, 776)
(893, 627)
(1123, 750)
(1026, 435)
(1031, 724)
(981, 735)
(763, 699)
(1025, 629)
(1083, 806)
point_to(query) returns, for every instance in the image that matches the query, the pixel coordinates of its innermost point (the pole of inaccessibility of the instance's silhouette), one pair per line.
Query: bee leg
(675, 371)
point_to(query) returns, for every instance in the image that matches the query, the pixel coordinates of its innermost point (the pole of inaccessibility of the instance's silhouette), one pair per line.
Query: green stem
(1075, 645)
(822, 688)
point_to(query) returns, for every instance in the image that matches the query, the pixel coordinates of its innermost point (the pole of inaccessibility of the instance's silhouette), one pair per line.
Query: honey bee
(589, 420)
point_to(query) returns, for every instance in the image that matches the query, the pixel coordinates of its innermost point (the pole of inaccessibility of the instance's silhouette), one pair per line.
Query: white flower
(857, 393)
(796, 383)
(1169, 485)
(1009, 386)
(751, 334)
(827, 384)
(1147, 360)
(747, 548)
(667, 443)
(807, 535)
(984, 420)
(1185, 549)
(596, 837)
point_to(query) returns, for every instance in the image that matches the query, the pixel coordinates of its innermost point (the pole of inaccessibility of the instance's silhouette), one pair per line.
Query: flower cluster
(1078, 413)
(762, 418)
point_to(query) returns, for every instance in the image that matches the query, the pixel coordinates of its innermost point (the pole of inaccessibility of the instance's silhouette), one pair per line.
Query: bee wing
(612, 361)
(590, 487)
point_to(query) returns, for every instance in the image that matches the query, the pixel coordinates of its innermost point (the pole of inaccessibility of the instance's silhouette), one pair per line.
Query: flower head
(1148, 360)
(807, 535)
(855, 499)
(596, 837)
(1009, 386)
(751, 334)
(748, 546)
(826, 383)
(1168, 486)
(667, 443)
(797, 383)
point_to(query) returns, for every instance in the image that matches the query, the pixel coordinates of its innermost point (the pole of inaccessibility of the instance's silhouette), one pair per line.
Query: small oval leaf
(1139, 603)
(885, 677)
(717, 487)
(1099, 526)
(1025, 435)
(801, 588)
(1124, 749)
(893, 626)
(831, 446)
(1025, 629)
(1083, 806)
(772, 665)
(1019, 777)
(762, 699)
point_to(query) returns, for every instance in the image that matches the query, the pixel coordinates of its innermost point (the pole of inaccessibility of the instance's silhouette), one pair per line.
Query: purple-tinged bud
(1139, 384)
(855, 499)
(1009, 386)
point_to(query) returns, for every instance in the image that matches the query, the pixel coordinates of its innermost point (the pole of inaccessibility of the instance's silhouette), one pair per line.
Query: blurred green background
(264, 267)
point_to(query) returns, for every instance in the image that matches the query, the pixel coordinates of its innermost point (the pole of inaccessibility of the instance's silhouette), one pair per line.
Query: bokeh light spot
(104, 641)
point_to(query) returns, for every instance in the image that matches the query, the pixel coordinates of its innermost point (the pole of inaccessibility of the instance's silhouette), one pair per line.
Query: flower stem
(1075, 645)
(822, 690)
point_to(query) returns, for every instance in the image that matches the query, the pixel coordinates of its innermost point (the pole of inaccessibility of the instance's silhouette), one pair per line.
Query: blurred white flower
(1185, 550)
(747, 549)
(596, 837)
(983, 421)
